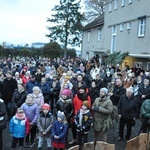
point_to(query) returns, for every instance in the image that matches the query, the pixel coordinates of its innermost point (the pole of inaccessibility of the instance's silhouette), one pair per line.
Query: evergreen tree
(67, 23)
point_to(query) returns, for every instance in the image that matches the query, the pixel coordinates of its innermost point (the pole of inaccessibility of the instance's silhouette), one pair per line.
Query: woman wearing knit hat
(83, 121)
(44, 125)
(65, 105)
(102, 110)
(59, 132)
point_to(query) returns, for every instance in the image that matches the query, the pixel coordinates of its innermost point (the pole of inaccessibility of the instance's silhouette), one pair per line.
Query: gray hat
(104, 89)
(61, 115)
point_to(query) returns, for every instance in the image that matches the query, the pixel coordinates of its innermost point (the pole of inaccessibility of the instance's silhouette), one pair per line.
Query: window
(123, 3)
(113, 40)
(121, 26)
(110, 6)
(138, 64)
(130, 1)
(99, 34)
(141, 27)
(115, 4)
(148, 65)
(129, 25)
(89, 36)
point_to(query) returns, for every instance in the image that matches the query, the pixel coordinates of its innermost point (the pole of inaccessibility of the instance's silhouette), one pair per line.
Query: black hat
(82, 87)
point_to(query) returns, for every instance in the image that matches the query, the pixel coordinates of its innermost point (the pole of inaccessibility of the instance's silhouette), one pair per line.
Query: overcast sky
(24, 21)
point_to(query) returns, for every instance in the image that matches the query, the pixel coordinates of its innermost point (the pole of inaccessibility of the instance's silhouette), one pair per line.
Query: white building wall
(127, 40)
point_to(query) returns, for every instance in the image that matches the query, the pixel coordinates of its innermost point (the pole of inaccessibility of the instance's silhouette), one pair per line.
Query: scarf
(82, 112)
(66, 100)
(20, 118)
(82, 96)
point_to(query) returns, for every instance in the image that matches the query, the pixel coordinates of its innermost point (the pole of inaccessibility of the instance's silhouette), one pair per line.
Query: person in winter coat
(38, 97)
(127, 113)
(145, 116)
(31, 110)
(59, 132)
(45, 88)
(26, 77)
(107, 78)
(19, 97)
(83, 121)
(64, 104)
(144, 91)
(2, 121)
(9, 86)
(118, 91)
(19, 128)
(102, 110)
(44, 125)
(17, 78)
(55, 90)
(93, 91)
(30, 84)
(81, 96)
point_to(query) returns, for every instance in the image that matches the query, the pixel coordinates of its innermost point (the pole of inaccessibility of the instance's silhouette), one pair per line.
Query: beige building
(124, 26)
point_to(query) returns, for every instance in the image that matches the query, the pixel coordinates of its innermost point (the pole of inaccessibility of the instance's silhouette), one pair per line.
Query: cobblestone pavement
(119, 145)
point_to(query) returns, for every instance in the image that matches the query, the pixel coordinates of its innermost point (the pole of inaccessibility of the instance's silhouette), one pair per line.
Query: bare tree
(93, 8)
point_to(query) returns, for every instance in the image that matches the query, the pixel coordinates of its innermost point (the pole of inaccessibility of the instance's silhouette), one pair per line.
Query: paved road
(119, 145)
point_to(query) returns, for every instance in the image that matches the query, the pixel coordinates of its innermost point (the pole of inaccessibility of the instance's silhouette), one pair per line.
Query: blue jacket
(59, 129)
(45, 88)
(30, 85)
(17, 127)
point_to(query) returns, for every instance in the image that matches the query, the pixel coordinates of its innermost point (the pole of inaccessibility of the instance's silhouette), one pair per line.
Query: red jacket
(77, 103)
(25, 79)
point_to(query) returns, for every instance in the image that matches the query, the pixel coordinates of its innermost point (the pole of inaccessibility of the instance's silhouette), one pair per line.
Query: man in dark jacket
(144, 91)
(9, 86)
(30, 84)
(45, 88)
(115, 96)
(127, 112)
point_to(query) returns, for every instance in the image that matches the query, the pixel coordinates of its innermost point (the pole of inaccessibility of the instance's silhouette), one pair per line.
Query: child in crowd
(31, 110)
(19, 128)
(83, 121)
(44, 125)
(59, 132)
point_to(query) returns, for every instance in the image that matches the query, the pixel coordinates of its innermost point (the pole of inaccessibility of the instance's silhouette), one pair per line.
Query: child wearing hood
(19, 128)
(31, 111)
(83, 121)
(59, 132)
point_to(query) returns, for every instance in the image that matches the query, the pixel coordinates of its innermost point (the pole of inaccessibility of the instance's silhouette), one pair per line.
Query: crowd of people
(42, 98)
